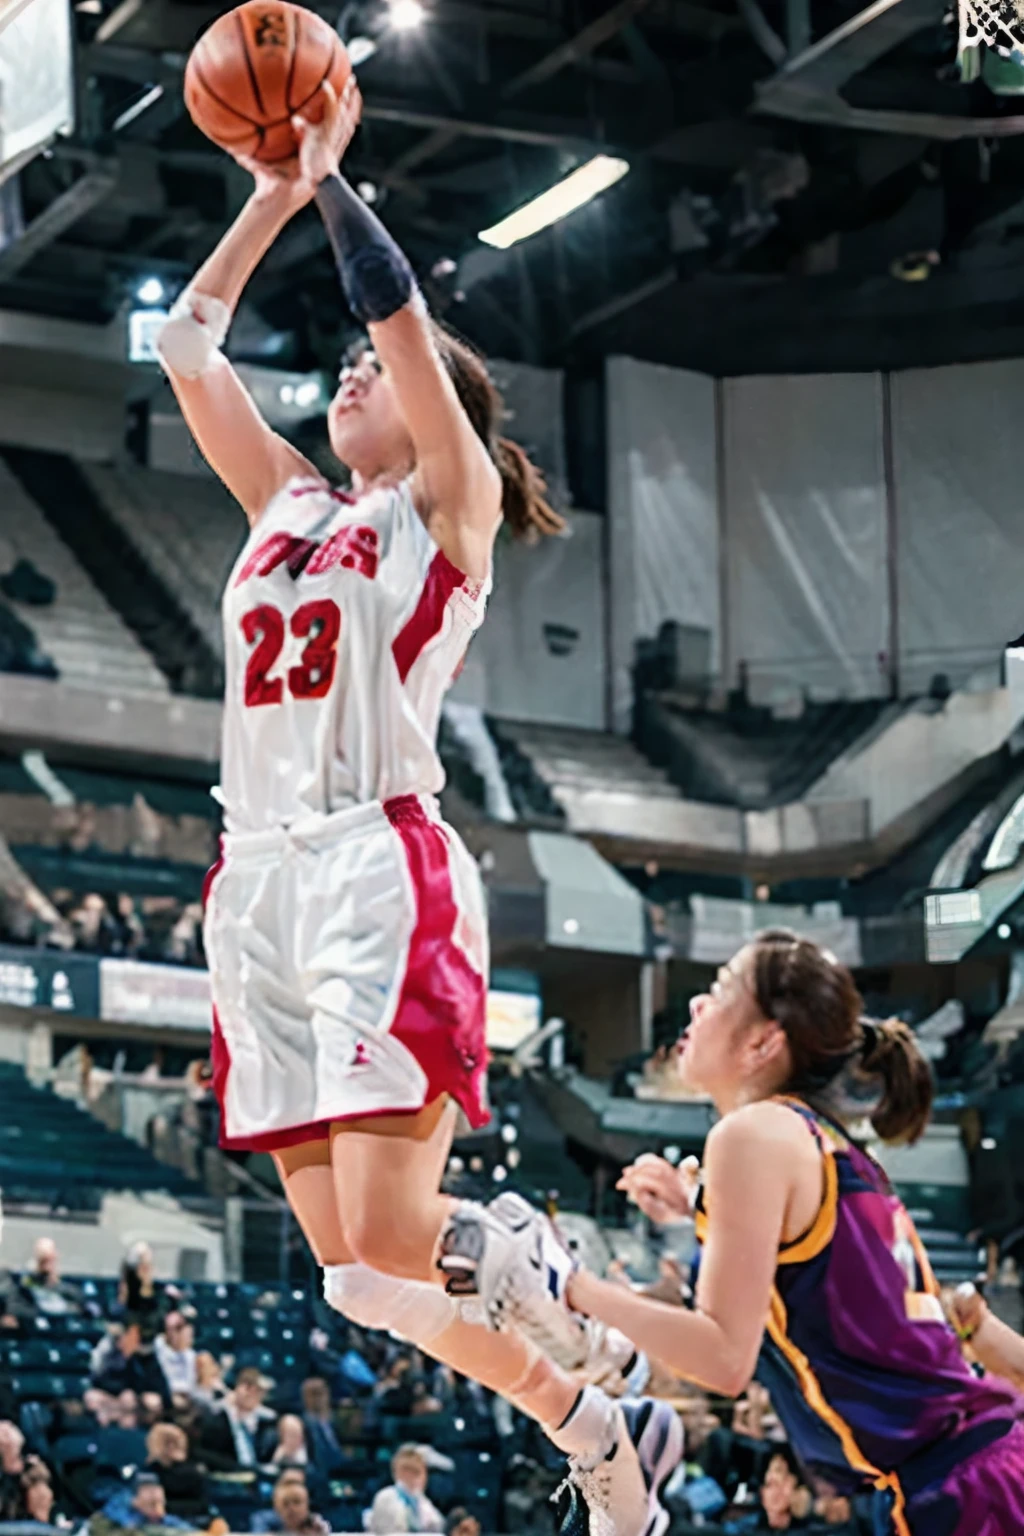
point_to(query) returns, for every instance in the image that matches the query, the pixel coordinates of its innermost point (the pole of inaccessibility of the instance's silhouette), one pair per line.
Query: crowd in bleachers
(160, 928)
(128, 1405)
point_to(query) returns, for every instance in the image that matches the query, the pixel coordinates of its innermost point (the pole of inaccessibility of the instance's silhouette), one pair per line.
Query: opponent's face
(727, 1035)
(365, 423)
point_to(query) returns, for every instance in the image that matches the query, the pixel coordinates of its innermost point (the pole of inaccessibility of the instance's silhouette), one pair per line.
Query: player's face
(364, 421)
(714, 1055)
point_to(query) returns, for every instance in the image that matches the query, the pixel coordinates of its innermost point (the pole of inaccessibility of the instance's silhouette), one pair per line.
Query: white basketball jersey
(344, 625)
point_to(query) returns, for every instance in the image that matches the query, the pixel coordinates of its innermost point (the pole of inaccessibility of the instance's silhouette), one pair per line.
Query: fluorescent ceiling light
(360, 49)
(585, 182)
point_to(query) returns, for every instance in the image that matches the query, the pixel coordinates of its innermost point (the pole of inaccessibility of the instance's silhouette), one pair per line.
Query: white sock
(591, 1429)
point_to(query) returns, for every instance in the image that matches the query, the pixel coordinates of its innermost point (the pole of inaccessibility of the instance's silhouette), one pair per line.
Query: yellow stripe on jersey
(822, 1230)
(778, 1325)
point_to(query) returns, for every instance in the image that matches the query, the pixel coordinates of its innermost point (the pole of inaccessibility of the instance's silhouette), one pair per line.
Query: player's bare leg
(619, 1460)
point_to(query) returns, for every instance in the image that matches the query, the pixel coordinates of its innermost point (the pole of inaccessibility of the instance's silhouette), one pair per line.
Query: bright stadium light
(585, 182)
(150, 291)
(405, 15)
(307, 393)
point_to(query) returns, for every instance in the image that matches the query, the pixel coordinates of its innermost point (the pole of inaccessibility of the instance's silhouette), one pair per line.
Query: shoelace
(553, 1330)
(592, 1483)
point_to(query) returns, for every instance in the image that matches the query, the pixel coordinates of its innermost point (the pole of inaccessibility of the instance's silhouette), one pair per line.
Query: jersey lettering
(354, 548)
(319, 624)
(279, 549)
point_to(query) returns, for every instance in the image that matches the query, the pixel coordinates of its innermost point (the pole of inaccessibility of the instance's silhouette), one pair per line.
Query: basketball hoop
(999, 23)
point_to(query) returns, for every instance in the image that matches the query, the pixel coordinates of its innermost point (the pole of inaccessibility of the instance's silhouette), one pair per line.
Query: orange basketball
(254, 68)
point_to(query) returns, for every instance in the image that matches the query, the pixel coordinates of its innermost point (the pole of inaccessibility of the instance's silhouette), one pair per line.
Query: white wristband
(192, 335)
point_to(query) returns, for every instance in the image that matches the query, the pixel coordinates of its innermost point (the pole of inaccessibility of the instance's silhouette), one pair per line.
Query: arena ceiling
(783, 169)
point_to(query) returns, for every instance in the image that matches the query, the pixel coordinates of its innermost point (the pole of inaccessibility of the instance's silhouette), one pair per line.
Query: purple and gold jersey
(866, 1375)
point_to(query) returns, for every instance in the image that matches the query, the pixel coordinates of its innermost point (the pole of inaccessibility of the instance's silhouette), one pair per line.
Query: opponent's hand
(322, 144)
(967, 1309)
(664, 1194)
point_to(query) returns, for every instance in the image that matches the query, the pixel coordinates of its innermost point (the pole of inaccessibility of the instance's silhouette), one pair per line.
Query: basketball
(254, 68)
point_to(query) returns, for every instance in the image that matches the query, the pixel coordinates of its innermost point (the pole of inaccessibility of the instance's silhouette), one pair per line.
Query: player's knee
(410, 1308)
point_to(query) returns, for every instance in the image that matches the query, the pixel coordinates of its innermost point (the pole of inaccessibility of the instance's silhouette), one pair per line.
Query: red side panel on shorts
(442, 580)
(442, 1009)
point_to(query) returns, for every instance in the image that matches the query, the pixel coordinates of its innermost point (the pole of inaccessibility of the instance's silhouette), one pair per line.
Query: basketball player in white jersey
(345, 925)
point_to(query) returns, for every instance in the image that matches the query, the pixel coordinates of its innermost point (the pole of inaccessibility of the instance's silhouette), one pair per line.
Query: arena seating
(185, 526)
(47, 1363)
(747, 756)
(579, 761)
(51, 1150)
(82, 634)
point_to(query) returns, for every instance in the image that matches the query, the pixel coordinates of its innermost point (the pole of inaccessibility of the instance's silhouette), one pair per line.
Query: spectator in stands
(167, 1456)
(832, 1509)
(290, 1450)
(93, 925)
(38, 1503)
(404, 1505)
(141, 1507)
(130, 933)
(461, 1523)
(125, 1361)
(100, 1409)
(184, 943)
(12, 1468)
(137, 1292)
(42, 1288)
(292, 1513)
(393, 1391)
(235, 1435)
(321, 1439)
(209, 1389)
(176, 1353)
(784, 1503)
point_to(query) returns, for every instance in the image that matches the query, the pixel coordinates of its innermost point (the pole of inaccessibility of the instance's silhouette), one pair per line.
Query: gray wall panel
(805, 536)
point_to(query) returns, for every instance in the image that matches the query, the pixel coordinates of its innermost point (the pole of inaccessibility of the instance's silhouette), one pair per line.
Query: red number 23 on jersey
(319, 624)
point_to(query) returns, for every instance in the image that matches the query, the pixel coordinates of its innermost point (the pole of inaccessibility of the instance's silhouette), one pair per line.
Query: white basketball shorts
(348, 964)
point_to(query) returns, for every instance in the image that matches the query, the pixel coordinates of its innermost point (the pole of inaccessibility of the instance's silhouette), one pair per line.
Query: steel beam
(807, 88)
(64, 211)
(590, 37)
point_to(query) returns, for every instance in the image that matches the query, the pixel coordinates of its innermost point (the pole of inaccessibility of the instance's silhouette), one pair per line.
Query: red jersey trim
(428, 616)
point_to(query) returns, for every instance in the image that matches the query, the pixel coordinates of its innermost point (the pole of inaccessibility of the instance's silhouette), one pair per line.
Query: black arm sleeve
(375, 275)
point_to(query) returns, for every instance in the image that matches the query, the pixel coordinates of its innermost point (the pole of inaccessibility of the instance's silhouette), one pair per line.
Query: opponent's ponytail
(890, 1052)
(524, 505)
(853, 1067)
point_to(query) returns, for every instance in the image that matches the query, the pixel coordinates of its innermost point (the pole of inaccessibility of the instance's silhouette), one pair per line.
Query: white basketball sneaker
(620, 1458)
(518, 1265)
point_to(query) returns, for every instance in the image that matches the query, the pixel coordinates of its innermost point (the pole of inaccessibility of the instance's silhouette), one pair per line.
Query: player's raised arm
(252, 460)
(462, 484)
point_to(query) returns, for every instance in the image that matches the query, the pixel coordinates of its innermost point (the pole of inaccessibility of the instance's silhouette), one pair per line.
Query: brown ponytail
(524, 505)
(846, 1062)
(891, 1053)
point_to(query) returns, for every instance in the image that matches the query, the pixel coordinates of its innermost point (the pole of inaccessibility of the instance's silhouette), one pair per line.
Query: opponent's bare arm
(456, 486)
(995, 1344)
(755, 1160)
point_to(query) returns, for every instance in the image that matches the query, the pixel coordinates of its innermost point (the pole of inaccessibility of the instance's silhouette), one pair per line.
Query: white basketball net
(1000, 23)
